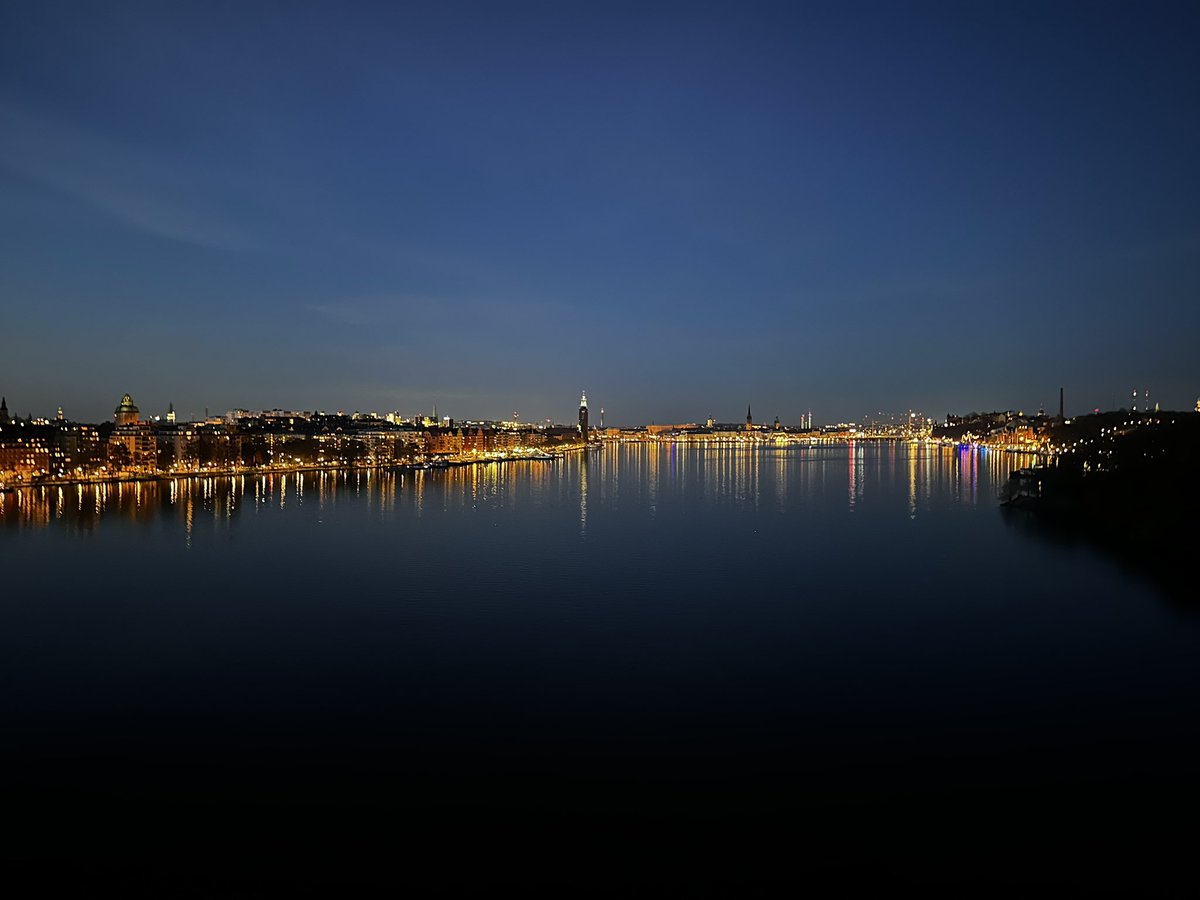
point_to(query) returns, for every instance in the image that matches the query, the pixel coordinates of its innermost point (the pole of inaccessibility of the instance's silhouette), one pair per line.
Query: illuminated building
(126, 413)
(443, 442)
(23, 458)
(24, 447)
(178, 447)
(583, 416)
(132, 443)
(76, 448)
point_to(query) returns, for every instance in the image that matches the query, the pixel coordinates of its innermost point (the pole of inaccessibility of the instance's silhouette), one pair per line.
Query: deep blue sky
(838, 207)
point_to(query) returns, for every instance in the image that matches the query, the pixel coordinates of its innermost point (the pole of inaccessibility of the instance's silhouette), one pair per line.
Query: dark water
(649, 667)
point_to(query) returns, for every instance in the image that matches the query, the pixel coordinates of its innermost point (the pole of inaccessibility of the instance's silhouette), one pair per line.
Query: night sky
(839, 207)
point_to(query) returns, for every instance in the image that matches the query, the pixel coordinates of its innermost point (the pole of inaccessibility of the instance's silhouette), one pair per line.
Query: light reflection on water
(637, 475)
(787, 622)
(641, 475)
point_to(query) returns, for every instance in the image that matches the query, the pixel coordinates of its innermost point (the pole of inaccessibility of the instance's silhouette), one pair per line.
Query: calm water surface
(844, 635)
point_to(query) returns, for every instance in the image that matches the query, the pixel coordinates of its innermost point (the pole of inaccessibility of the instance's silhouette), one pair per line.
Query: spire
(583, 416)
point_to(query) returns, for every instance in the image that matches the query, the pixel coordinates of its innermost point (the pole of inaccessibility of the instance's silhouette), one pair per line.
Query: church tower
(4, 419)
(749, 419)
(583, 417)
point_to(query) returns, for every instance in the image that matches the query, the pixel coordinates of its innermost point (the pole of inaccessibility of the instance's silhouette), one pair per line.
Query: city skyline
(827, 208)
(1136, 400)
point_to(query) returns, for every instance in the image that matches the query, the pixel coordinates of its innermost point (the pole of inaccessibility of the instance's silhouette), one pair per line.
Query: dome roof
(126, 405)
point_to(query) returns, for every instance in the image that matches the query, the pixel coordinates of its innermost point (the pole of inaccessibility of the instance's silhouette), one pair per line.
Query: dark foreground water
(638, 670)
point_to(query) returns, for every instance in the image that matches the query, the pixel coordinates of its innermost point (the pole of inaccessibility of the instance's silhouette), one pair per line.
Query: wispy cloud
(350, 314)
(390, 309)
(125, 182)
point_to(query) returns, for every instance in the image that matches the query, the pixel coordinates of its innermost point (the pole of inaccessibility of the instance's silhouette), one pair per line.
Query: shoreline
(235, 472)
(557, 453)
